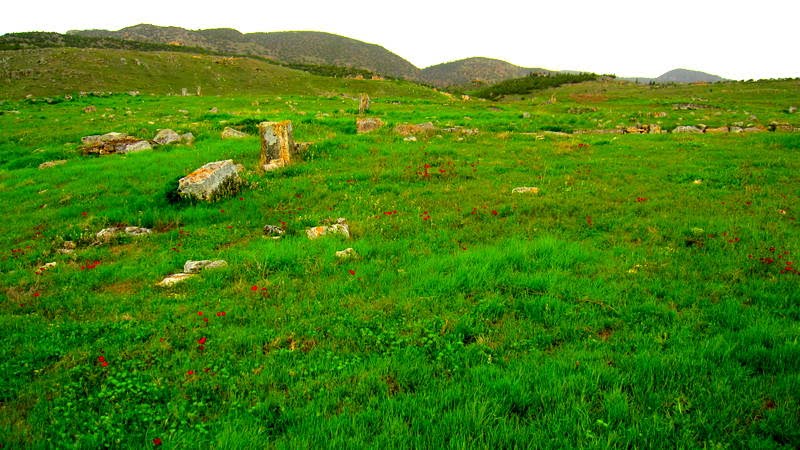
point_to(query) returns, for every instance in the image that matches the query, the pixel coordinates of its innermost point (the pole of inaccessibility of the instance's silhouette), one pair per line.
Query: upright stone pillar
(277, 144)
(363, 103)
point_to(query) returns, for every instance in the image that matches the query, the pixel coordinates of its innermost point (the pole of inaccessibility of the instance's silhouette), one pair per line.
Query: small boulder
(213, 110)
(781, 126)
(187, 138)
(755, 129)
(792, 109)
(367, 124)
(717, 130)
(107, 234)
(213, 180)
(196, 266)
(525, 190)
(90, 109)
(735, 129)
(174, 279)
(49, 164)
(136, 147)
(230, 133)
(340, 227)
(687, 129)
(347, 253)
(421, 129)
(277, 144)
(166, 137)
(363, 103)
(274, 231)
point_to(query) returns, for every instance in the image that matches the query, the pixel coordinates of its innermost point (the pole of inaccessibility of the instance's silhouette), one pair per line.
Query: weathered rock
(231, 133)
(175, 279)
(525, 190)
(46, 267)
(167, 136)
(781, 126)
(756, 129)
(363, 103)
(67, 247)
(107, 144)
(274, 231)
(792, 109)
(688, 106)
(106, 234)
(367, 124)
(212, 181)
(717, 130)
(187, 139)
(135, 147)
(340, 227)
(735, 129)
(49, 164)
(213, 110)
(347, 253)
(90, 109)
(655, 129)
(659, 115)
(421, 129)
(687, 129)
(277, 144)
(196, 266)
(410, 139)
(462, 131)
(526, 115)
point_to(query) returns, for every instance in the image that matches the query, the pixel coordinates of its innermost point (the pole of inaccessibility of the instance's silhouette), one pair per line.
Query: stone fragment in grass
(174, 279)
(410, 139)
(340, 227)
(525, 190)
(212, 181)
(107, 144)
(421, 129)
(46, 267)
(277, 144)
(363, 103)
(166, 137)
(367, 124)
(687, 129)
(67, 248)
(755, 129)
(196, 266)
(231, 133)
(792, 109)
(717, 130)
(106, 234)
(348, 253)
(136, 147)
(187, 138)
(49, 164)
(274, 231)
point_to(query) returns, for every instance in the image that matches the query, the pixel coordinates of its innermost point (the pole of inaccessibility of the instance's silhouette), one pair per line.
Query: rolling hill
(679, 76)
(473, 71)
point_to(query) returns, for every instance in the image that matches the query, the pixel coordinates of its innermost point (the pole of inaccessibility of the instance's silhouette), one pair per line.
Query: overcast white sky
(734, 39)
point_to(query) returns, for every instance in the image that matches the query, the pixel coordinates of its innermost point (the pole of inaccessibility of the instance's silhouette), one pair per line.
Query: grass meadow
(648, 296)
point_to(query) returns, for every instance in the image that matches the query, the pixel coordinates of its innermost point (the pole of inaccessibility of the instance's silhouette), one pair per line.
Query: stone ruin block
(277, 144)
(213, 180)
(363, 103)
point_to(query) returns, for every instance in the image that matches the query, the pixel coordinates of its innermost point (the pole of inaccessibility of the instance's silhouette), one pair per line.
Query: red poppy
(190, 372)
(157, 442)
(494, 212)
(202, 340)
(351, 272)
(199, 313)
(253, 288)
(221, 313)
(36, 294)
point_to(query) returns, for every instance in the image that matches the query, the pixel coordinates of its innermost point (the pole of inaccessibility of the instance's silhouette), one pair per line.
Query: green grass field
(647, 297)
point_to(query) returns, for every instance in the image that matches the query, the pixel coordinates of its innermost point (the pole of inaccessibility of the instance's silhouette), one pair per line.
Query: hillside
(59, 71)
(679, 76)
(473, 71)
(303, 47)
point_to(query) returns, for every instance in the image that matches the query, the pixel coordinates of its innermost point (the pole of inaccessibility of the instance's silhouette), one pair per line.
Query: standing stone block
(277, 144)
(363, 104)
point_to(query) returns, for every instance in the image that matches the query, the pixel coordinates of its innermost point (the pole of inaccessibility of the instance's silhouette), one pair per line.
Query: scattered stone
(166, 137)
(688, 106)
(781, 126)
(46, 267)
(735, 129)
(526, 115)
(213, 110)
(792, 109)
(67, 248)
(274, 231)
(363, 103)
(340, 227)
(90, 109)
(136, 147)
(422, 129)
(106, 234)
(660, 115)
(175, 279)
(697, 181)
(410, 139)
(717, 130)
(187, 138)
(462, 131)
(212, 181)
(231, 133)
(367, 124)
(687, 129)
(196, 266)
(49, 164)
(525, 190)
(277, 144)
(655, 129)
(756, 129)
(347, 253)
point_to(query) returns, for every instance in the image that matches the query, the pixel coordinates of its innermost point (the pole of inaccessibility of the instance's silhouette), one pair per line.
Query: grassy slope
(54, 72)
(617, 308)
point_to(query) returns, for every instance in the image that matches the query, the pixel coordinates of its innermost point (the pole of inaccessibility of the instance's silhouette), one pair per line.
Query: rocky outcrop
(49, 164)
(687, 129)
(367, 124)
(212, 181)
(525, 190)
(231, 133)
(340, 227)
(363, 103)
(421, 129)
(196, 266)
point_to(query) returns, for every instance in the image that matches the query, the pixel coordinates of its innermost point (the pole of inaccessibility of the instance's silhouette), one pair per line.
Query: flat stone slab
(197, 266)
(174, 279)
(340, 227)
(525, 190)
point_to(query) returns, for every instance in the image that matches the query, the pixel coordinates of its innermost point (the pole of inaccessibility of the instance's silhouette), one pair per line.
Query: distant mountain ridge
(680, 76)
(480, 71)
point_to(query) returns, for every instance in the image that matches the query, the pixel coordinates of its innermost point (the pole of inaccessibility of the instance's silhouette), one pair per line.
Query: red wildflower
(83, 213)
(253, 288)
(351, 272)
(221, 211)
(494, 212)
(221, 314)
(641, 199)
(589, 220)
(36, 294)
(190, 372)
(241, 199)
(157, 442)
(199, 313)
(202, 340)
